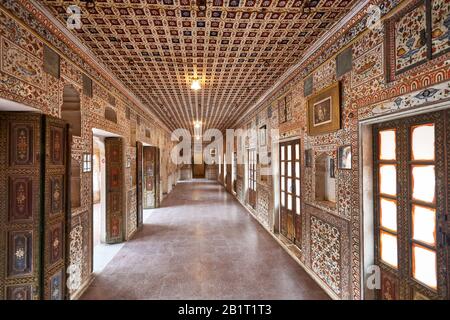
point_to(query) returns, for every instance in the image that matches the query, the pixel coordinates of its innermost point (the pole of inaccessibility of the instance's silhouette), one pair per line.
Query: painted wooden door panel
(114, 190)
(20, 206)
(56, 188)
(411, 179)
(151, 172)
(33, 206)
(139, 179)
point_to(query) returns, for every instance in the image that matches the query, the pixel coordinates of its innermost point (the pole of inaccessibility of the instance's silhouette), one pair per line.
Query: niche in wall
(70, 110)
(325, 183)
(75, 184)
(110, 114)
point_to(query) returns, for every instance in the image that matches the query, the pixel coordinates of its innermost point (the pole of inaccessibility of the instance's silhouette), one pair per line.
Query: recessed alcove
(325, 184)
(71, 109)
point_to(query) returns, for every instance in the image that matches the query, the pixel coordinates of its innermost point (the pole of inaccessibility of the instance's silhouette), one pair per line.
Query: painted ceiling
(238, 48)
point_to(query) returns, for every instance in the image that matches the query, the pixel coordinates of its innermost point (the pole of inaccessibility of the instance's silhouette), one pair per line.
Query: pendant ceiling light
(196, 85)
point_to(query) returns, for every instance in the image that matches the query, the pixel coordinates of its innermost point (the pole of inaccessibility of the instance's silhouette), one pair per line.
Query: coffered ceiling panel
(238, 48)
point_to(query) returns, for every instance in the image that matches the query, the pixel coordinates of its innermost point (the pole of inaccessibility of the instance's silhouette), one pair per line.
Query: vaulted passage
(202, 244)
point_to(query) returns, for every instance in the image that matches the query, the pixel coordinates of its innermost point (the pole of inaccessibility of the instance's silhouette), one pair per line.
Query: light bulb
(196, 84)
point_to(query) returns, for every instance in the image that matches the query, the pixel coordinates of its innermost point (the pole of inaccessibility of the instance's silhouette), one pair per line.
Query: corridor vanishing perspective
(202, 244)
(225, 149)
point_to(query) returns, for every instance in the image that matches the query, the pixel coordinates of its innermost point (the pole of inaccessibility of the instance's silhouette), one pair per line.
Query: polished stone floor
(202, 244)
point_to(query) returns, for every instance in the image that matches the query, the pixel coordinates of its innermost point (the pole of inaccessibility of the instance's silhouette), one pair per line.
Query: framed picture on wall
(324, 111)
(345, 157)
(262, 136)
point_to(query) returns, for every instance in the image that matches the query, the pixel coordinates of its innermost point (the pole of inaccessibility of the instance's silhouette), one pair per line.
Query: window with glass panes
(290, 188)
(409, 206)
(252, 169)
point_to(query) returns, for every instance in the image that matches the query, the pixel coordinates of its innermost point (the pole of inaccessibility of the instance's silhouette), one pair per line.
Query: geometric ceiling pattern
(237, 48)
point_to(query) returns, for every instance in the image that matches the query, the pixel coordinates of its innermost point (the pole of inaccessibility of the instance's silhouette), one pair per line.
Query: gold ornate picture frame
(324, 111)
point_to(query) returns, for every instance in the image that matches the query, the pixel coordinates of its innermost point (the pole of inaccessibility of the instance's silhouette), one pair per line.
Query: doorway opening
(251, 177)
(151, 181)
(234, 173)
(290, 218)
(102, 251)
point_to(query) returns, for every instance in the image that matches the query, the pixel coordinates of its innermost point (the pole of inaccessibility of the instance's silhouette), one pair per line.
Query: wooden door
(411, 182)
(158, 177)
(140, 186)
(290, 190)
(114, 190)
(151, 177)
(56, 185)
(235, 166)
(199, 171)
(252, 177)
(229, 185)
(33, 206)
(20, 206)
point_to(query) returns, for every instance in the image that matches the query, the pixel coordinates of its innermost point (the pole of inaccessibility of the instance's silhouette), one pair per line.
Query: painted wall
(331, 242)
(23, 79)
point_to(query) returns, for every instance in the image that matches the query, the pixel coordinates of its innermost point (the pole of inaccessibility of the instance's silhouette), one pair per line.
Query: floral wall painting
(345, 157)
(417, 34)
(368, 66)
(324, 111)
(440, 32)
(410, 38)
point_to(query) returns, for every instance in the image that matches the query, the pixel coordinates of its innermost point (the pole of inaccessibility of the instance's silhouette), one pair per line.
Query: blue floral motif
(426, 94)
(398, 102)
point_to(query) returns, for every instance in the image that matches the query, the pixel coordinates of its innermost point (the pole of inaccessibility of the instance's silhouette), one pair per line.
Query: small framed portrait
(308, 158)
(345, 157)
(324, 111)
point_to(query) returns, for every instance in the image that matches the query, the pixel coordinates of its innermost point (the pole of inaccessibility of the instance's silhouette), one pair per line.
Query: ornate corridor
(202, 244)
